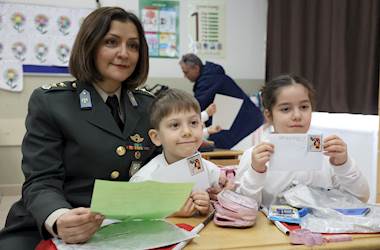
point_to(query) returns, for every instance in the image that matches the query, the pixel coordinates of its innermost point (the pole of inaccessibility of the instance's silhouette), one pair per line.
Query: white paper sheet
(292, 153)
(184, 171)
(227, 109)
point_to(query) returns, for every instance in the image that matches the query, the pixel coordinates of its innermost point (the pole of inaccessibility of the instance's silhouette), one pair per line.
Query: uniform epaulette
(143, 91)
(67, 85)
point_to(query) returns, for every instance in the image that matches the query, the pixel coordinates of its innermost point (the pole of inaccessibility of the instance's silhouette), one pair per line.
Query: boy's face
(180, 135)
(292, 111)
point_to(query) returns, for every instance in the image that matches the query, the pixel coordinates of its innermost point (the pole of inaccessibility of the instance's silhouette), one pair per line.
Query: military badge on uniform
(85, 100)
(136, 138)
(135, 166)
(132, 98)
(137, 155)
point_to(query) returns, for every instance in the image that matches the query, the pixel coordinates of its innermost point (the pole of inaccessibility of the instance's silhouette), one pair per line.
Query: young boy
(177, 127)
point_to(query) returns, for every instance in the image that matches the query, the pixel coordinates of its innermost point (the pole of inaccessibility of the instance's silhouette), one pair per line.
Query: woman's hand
(78, 225)
(260, 156)
(336, 149)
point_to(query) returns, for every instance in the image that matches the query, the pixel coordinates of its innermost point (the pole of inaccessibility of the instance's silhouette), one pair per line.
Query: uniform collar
(105, 95)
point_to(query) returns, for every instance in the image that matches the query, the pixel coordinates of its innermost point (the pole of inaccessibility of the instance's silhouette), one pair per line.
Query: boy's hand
(187, 210)
(211, 109)
(260, 156)
(201, 201)
(336, 149)
(78, 225)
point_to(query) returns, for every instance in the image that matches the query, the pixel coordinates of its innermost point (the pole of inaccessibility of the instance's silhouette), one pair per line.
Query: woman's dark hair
(94, 27)
(270, 90)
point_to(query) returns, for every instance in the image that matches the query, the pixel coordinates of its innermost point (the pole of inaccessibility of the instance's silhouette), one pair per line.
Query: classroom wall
(244, 61)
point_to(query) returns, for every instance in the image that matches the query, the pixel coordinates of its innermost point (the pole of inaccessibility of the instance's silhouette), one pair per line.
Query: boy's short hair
(169, 101)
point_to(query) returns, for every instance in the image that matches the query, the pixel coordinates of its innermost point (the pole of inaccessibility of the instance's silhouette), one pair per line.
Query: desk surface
(264, 235)
(222, 153)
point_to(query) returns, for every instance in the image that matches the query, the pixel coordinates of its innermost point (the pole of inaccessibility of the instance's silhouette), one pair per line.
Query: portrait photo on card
(314, 143)
(195, 164)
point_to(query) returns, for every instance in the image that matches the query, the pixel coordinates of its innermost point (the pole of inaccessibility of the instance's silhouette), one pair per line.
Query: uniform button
(121, 150)
(115, 174)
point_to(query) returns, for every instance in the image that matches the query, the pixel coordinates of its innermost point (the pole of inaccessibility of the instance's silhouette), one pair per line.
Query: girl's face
(292, 111)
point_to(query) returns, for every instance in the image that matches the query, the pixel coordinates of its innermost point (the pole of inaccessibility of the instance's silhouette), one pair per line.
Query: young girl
(288, 101)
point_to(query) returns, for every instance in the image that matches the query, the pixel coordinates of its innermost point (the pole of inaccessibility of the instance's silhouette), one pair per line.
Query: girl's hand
(260, 156)
(336, 149)
(78, 225)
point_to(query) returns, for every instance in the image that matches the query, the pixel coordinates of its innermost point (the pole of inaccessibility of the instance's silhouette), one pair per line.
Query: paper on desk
(228, 107)
(145, 234)
(189, 170)
(295, 152)
(140, 200)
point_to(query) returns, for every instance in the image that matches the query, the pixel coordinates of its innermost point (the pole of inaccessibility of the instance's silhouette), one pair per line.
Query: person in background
(205, 115)
(177, 127)
(288, 101)
(95, 127)
(210, 79)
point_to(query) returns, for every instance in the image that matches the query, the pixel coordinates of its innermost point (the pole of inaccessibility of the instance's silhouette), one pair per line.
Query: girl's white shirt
(265, 187)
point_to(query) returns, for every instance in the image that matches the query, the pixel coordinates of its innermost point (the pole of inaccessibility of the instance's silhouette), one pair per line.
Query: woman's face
(292, 111)
(118, 54)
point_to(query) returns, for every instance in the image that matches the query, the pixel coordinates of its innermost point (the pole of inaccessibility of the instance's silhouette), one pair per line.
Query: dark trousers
(24, 240)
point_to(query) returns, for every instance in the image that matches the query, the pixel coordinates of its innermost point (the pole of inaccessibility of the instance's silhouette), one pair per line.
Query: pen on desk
(196, 230)
(278, 224)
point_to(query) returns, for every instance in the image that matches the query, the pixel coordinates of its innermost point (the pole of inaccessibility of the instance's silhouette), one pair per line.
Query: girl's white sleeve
(249, 182)
(349, 178)
(213, 171)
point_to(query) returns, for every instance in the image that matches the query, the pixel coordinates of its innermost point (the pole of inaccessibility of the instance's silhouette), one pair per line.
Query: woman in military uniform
(92, 128)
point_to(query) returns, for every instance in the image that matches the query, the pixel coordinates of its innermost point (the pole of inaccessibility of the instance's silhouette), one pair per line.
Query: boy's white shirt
(264, 187)
(147, 171)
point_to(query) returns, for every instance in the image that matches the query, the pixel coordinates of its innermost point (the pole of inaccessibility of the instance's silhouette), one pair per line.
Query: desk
(264, 235)
(223, 157)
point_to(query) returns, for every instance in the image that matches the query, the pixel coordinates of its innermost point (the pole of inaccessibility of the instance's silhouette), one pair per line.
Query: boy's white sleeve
(349, 178)
(204, 116)
(249, 182)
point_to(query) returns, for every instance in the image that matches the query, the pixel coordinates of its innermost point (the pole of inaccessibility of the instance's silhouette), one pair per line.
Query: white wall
(245, 36)
(244, 61)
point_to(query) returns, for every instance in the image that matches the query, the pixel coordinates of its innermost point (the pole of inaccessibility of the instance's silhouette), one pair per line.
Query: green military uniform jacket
(70, 142)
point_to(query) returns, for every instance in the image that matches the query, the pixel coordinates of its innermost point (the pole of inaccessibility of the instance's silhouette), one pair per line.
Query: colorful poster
(161, 24)
(38, 35)
(206, 24)
(11, 77)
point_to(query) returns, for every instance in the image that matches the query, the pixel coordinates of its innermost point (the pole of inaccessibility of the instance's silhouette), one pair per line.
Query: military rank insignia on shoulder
(67, 85)
(144, 91)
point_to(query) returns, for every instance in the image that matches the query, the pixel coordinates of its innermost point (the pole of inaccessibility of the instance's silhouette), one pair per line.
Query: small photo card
(314, 143)
(195, 164)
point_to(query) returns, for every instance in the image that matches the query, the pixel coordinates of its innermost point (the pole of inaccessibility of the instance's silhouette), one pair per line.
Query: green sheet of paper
(146, 234)
(142, 200)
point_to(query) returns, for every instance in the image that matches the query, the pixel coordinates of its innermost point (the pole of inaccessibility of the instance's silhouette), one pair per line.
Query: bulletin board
(40, 37)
